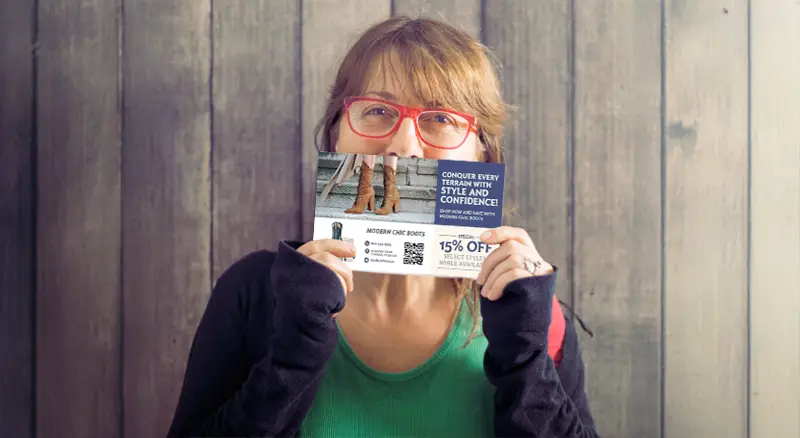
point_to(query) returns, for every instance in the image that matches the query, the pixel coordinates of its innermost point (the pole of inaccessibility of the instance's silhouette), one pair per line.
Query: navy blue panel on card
(469, 194)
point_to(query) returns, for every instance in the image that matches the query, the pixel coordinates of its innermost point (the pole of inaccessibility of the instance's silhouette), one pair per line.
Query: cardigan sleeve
(533, 396)
(225, 393)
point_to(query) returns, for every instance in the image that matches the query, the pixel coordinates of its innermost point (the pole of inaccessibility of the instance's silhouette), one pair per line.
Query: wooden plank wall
(705, 214)
(775, 219)
(166, 223)
(654, 155)
(617, 224)
(17, 263)
(257, 182)
(78, 220)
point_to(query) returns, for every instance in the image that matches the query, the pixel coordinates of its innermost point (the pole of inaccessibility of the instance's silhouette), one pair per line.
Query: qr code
(413, 253)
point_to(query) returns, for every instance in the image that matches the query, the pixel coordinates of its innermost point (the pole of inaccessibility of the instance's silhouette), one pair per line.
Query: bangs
(431, 72)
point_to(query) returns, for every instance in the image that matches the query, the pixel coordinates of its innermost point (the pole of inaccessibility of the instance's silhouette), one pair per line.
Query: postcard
(409, 215)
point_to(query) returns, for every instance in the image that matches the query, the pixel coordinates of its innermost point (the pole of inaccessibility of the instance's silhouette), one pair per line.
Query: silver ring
(532, 265)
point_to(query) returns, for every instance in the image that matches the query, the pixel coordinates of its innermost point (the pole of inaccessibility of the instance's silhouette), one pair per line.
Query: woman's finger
(511, 262)
(339, 248)
(497, 256)
(504, 233)
(344, 273)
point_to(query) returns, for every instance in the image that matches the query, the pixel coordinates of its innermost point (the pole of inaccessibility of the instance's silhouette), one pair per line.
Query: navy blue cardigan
(267, 334)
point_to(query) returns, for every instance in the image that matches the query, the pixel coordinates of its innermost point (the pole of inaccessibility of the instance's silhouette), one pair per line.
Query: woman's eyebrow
(391, 97)
(384, 94)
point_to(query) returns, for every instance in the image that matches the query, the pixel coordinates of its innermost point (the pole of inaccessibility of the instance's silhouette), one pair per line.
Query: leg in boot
(391, 196)
(365, 195)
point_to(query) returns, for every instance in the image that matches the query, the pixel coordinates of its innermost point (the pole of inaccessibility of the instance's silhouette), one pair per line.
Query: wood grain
(16, 217)
(78, 220)
(256, 140)
(463, 14)
(775, 220)
(329, 28)
(618, 210)
(535, 80)
(166, 192)
(705, 293)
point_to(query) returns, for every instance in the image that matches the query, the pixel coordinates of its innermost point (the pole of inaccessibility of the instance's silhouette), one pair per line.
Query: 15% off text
(458, 245)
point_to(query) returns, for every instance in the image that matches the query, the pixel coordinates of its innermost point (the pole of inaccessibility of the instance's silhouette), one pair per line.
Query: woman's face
(404, 142)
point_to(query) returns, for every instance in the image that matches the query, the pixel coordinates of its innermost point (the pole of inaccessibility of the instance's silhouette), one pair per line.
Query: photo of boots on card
(378, 188)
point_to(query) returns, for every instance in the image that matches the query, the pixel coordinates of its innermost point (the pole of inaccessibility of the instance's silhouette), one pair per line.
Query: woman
(278, 353)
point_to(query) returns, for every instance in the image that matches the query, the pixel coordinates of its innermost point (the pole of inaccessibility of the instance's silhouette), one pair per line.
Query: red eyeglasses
(437, 127)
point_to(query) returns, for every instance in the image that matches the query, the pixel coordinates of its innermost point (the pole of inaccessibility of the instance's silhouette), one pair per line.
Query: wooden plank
(166, 193)
(257, 145)
(16, 217)
(618, 210)
(329, 28)
(535, 80)
(705, 236)
(464, 14)
(775, 220)
(78, 219)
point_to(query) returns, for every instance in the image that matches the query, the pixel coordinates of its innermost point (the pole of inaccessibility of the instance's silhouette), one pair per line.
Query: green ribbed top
(447, 396)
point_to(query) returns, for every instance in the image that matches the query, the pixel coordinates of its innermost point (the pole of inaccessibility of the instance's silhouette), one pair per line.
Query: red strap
(555, 339)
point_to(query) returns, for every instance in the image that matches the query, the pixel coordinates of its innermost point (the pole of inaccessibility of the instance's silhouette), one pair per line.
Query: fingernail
(486, 234)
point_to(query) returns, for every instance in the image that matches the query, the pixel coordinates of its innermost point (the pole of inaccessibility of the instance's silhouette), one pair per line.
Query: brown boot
(365, 196)
(391, 196)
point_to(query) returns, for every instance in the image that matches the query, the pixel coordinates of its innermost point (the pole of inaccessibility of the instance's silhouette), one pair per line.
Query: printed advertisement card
(431, 222)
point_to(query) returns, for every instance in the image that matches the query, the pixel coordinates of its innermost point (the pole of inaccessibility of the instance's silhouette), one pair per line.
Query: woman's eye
(443, 119)
(376, 111)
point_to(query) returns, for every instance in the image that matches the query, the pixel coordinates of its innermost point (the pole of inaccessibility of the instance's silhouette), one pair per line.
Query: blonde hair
(442, 64)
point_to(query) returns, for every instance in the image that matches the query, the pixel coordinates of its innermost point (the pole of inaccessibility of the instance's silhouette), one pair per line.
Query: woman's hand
(329, 252)
(516, 258)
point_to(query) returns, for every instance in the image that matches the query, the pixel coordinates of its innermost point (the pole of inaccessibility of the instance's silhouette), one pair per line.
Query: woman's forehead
(387, 87)
(396, 81)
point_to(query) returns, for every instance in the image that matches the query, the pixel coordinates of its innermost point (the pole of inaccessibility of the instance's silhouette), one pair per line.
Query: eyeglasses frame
(406, 111)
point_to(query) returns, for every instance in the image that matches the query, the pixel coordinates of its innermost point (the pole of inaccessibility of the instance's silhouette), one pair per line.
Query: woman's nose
(405, 142)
